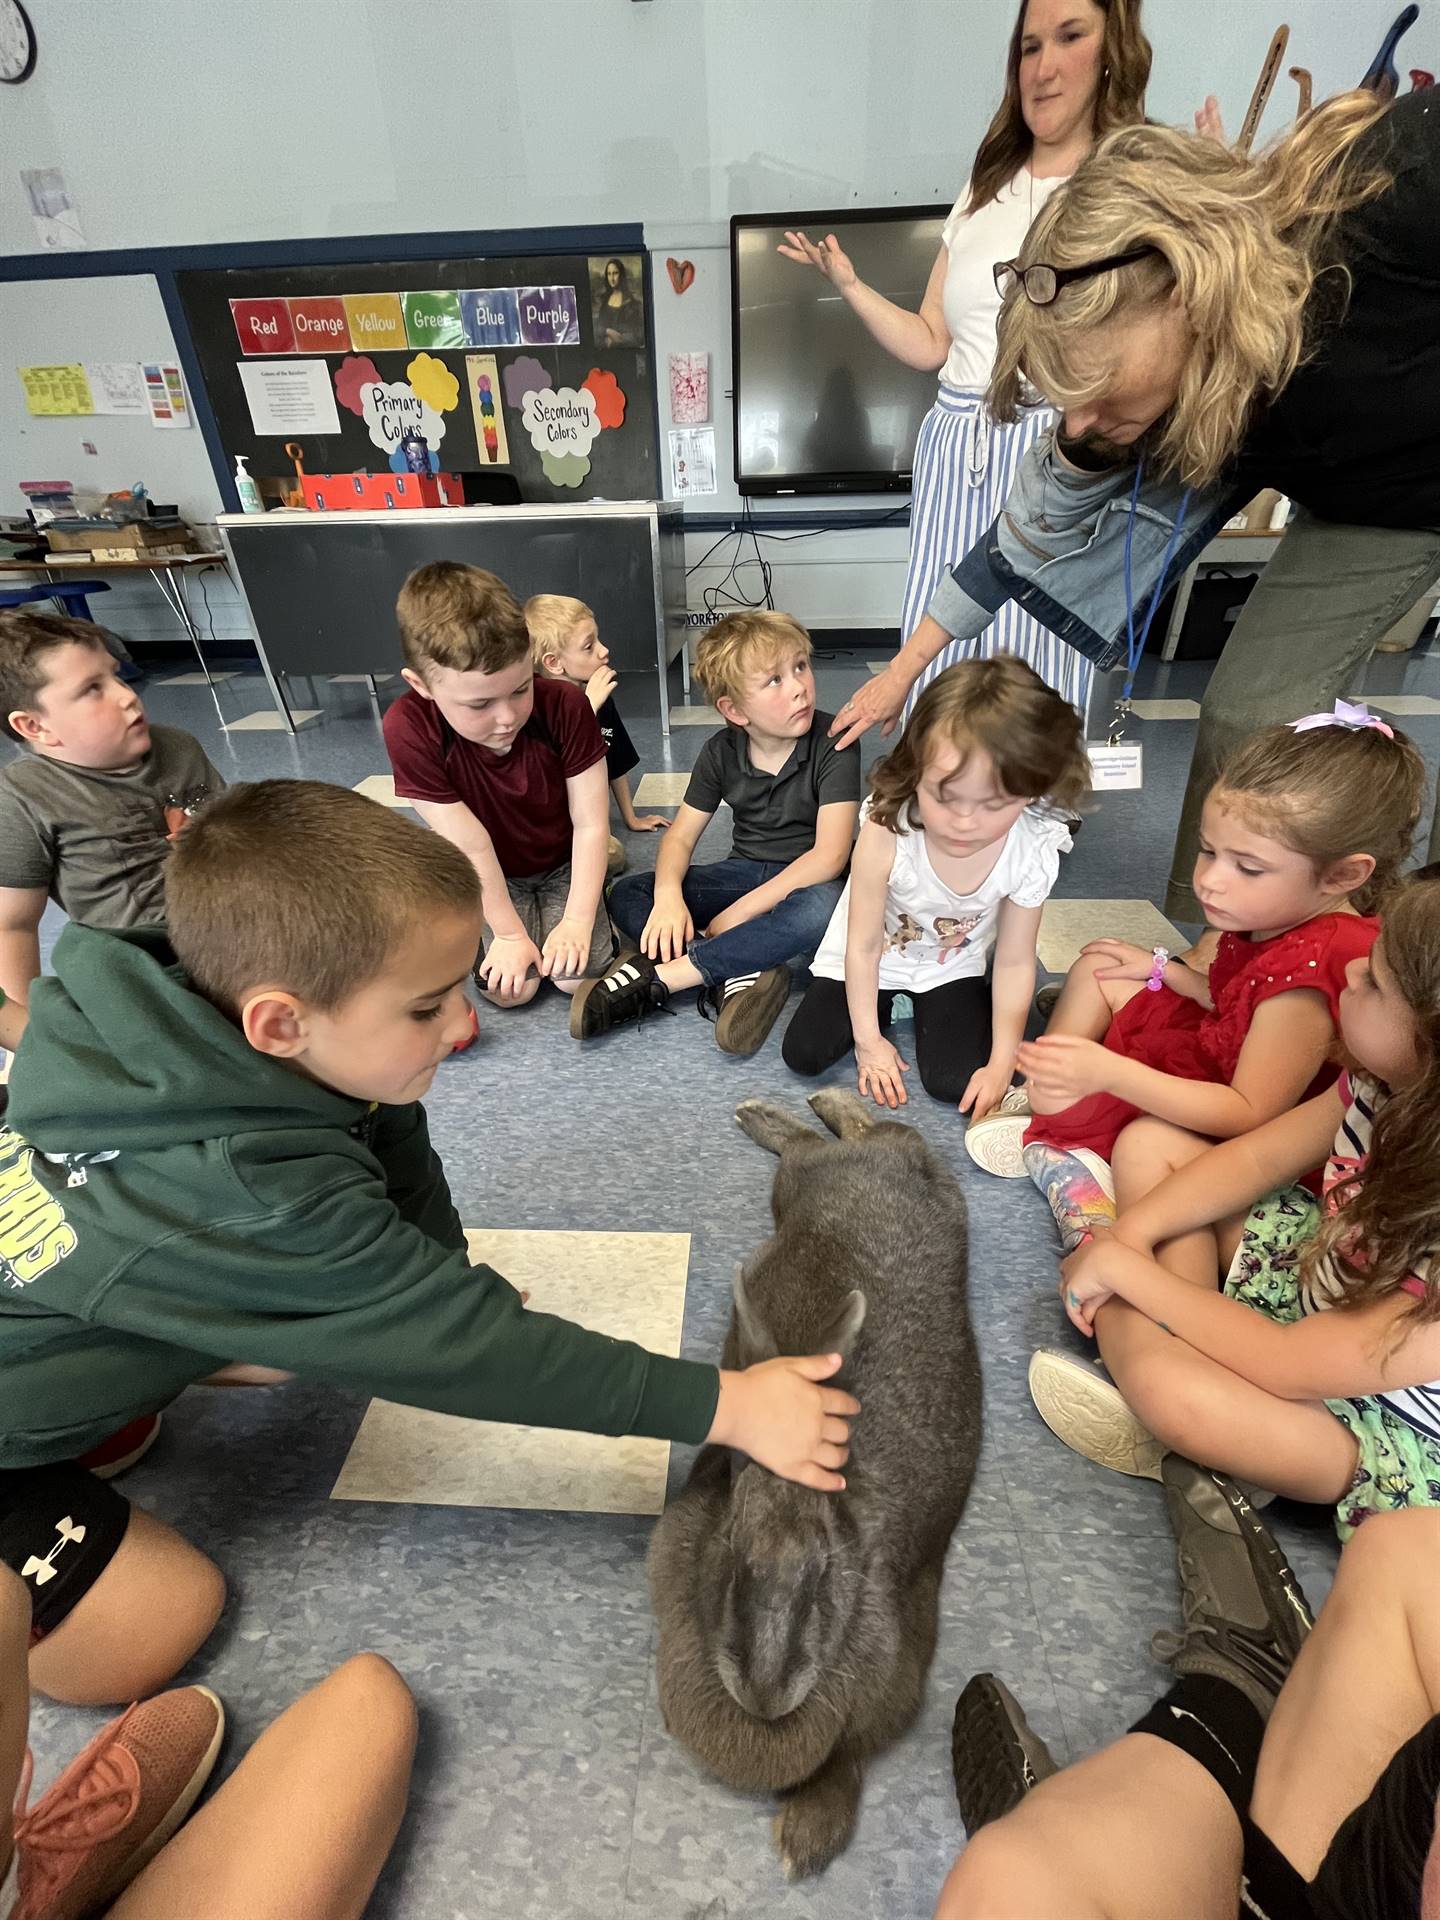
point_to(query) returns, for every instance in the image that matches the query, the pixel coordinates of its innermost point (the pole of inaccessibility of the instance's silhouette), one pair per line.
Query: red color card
(263, 325)
(320, 326)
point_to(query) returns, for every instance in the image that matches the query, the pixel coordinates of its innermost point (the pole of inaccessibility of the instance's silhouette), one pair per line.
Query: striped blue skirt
(964, 464)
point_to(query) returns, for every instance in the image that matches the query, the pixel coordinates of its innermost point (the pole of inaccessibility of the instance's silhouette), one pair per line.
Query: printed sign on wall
(376, 321)
(549, 317)
(263, 326)
(562, 427)
(491, 318)
(320, 325)
(484, 382)
(433, 320)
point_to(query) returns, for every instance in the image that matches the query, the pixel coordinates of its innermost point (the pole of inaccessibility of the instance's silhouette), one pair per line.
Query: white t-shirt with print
(974, 243)
(933, 934)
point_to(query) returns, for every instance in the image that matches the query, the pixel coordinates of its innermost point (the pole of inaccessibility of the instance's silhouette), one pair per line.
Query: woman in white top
(960, 844)
(1075, 69)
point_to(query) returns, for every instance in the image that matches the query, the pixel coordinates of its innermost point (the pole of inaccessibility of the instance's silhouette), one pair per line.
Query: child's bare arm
(669, 930)
(511, 953)
(634, 822)
(834, 837)
(21, 910)
(567, 946)
(1012, 988)
(878, 1064)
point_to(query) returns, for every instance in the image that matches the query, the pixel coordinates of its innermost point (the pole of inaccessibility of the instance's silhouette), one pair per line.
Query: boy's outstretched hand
(780, 1415)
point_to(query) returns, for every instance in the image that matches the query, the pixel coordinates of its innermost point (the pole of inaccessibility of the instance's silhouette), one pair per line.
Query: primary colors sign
(374, 322)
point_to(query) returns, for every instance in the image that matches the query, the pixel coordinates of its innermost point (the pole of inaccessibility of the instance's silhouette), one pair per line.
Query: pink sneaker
(115, 1806)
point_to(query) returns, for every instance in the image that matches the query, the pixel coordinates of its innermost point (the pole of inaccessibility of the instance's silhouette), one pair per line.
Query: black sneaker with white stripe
(745, 1009)
(629, 991)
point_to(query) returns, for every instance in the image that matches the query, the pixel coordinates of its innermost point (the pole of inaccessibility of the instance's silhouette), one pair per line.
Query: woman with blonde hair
(1208, 324)
(1075, 69)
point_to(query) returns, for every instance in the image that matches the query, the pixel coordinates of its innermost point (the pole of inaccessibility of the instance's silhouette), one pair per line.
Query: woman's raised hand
(828, 258)
(1208, 123)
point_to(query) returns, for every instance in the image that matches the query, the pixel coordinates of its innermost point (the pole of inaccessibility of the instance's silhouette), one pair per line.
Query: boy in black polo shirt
(730, 928)
(509, 768)
(565, 645)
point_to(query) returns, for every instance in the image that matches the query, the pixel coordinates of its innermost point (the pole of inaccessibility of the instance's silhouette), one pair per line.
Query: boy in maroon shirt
(511, 769)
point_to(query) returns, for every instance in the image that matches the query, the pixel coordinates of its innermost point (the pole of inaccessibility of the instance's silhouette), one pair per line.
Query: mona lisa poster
(617, 300)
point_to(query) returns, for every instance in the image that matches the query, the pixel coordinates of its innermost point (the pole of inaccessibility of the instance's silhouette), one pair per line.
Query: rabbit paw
(844, 1113)
(818, 1819)
(771, 1127)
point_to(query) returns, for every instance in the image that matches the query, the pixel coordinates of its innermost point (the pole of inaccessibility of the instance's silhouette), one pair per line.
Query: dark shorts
(1376, 1861)
(59, 1529)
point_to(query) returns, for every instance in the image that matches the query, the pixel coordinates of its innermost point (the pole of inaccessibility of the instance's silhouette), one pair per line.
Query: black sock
(1217, 1726)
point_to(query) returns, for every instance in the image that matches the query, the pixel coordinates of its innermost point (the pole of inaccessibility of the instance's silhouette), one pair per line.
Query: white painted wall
(204, 121)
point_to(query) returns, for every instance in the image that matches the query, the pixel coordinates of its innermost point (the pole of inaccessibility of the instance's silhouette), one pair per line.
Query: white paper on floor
(1068, 925)
(268, 720)
(381, 787)
(661, 789)
(631, 1285)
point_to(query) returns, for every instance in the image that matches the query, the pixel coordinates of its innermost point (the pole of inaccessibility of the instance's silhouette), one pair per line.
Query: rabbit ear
(840, 1335)
(756, 1341)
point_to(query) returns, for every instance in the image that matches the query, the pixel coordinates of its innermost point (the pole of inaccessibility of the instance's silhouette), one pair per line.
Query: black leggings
(952, 1032)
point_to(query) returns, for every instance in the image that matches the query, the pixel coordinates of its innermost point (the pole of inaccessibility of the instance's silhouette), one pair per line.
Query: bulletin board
(536, 365)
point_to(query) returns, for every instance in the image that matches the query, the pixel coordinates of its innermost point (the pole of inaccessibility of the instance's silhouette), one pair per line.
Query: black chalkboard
(623, 459)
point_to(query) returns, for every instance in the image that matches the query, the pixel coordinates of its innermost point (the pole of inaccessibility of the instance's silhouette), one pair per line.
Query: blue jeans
(788, 933)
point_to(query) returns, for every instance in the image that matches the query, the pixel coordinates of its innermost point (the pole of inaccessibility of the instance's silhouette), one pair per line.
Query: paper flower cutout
(392, 410)
(563, 422)
(609, 400)
(565, 469)
(522, 376)
(433, 382)
(354, 373)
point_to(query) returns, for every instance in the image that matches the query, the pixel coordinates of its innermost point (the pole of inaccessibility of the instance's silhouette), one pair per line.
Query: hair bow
(1354, 719)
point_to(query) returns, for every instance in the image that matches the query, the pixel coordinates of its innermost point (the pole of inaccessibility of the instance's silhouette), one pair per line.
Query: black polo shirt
(620, 754)
(774, 813)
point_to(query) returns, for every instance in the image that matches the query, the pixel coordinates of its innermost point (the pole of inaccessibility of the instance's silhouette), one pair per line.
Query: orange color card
(377, 321)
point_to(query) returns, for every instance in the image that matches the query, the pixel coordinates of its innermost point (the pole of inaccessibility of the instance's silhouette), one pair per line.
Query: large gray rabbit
(797, 1628)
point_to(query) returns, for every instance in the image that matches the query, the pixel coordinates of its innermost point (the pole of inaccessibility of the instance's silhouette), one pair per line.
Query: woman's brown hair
(1240, 242)
(1124, 75)
(1329, 792)
(1000, 707)
(1387, 1223)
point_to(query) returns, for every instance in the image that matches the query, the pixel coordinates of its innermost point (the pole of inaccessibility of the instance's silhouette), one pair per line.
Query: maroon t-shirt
(518, 797)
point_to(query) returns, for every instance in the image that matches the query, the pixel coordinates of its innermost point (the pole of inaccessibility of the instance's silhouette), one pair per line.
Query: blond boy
(732, 928)
(565, 644)
(511, 770)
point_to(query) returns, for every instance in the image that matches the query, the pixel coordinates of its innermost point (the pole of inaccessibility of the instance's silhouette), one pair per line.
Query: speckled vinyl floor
(546, 1786)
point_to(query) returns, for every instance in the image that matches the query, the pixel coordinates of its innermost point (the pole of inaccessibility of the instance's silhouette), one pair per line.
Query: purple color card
(549, 316)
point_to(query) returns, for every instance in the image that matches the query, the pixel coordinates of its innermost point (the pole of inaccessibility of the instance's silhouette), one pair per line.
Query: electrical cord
(728, 591)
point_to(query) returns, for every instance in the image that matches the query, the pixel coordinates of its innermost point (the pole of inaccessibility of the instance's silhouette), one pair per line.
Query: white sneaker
(1082, 1406)
(997, 1142)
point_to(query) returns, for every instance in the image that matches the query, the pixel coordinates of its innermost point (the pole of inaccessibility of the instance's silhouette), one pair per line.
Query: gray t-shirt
(774, 812)
(97, 841)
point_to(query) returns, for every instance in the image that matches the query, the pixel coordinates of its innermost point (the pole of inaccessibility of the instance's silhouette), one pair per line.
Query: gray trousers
(1310, 623)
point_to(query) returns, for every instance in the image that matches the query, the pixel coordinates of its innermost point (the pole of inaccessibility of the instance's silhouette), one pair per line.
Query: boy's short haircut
(742, 643)
(459, 617)
(552, 618)
(306, 886)
(26, 642)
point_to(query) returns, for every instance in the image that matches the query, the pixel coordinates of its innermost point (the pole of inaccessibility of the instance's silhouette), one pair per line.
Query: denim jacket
(1058, 549)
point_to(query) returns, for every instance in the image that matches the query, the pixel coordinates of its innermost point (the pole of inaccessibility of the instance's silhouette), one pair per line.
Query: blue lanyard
(1135, 643)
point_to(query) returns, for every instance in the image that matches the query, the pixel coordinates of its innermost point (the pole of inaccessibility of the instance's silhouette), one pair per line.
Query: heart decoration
(681, 272)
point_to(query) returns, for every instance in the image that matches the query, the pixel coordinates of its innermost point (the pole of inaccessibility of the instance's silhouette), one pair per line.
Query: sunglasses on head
(1041, 282)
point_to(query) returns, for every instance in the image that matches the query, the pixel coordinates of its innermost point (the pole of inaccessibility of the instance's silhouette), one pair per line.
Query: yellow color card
(377, 320)
(57, 389)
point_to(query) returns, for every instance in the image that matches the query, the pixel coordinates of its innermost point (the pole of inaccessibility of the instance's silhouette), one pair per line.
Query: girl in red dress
(1303, 834)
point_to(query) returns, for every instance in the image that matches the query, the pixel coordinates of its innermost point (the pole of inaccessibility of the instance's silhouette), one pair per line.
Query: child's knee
(373, 1700)
(943, 1082)
(800, 1053)
(1000, 1877)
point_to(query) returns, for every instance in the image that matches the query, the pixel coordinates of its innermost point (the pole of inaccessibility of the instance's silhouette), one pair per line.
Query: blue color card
(491, 317)
(549, 317)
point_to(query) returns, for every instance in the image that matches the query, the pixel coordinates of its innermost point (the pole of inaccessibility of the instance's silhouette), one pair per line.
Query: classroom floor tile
(661, 789)
(199, 679)
(381, 787)
(695, 717)
(629, 1285)
(1401, 702)
(1167, 709)
(268, 720)
(1068, 925)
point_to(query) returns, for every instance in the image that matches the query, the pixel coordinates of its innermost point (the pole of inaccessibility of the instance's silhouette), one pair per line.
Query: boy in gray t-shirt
(86, 814)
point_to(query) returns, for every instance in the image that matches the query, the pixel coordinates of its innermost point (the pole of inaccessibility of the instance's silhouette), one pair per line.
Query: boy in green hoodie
(215, 1164)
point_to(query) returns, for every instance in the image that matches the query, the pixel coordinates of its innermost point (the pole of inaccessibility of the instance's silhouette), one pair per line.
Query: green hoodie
(171, 1201)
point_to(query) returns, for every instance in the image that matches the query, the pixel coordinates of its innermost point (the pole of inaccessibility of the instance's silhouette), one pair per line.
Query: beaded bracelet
(1160, 958)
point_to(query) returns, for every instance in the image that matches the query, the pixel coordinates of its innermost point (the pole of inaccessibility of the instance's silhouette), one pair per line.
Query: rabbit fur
(796, 1628)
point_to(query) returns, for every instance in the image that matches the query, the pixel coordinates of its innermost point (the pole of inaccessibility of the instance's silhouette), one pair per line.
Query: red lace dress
(1174, 1035)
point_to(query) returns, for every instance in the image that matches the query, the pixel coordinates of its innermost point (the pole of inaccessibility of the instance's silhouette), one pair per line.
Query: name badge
(1116, 767)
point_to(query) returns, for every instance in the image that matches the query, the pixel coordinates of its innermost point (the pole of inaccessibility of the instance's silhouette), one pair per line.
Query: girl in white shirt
(1075, 69)
(960, 844)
